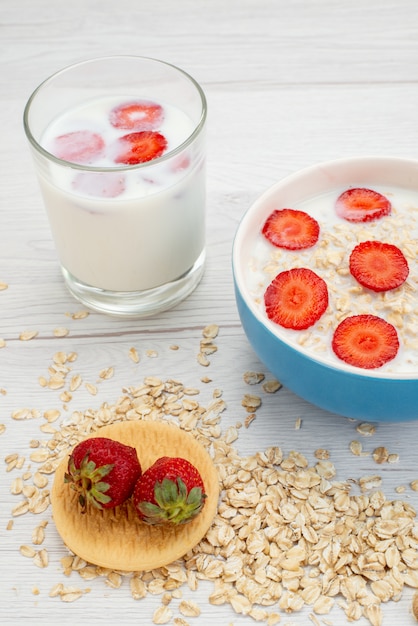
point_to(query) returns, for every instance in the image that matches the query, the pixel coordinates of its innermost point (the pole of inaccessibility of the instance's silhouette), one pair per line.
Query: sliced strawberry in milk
(100, 184)
(366, 341)
(362, 205)
(379, 266)
(180, 163)
(80, 146)
(296, 298)
(137, 115)
(291, 229)
(139, 147)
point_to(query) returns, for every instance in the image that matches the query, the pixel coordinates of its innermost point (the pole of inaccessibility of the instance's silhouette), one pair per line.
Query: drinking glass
(130, 237)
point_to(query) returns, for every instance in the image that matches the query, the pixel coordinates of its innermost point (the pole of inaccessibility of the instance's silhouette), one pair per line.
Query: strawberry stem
(173, 503)
(87, 481)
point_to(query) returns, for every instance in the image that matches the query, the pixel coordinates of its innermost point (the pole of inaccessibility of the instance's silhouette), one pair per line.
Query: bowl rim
(376, 164)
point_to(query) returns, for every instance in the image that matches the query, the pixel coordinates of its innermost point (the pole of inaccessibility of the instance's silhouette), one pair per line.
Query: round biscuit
(117, 538)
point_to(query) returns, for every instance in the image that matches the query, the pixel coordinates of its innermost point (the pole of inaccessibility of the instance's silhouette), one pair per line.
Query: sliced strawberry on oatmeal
(366, 341)
(296, 298)
(378, 266)
(140, 147)
(80, 146)
(137, 115)
(291, 229)
(360, 204)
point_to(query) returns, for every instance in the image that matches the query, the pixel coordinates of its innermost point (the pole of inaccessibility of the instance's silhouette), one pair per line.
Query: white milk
(150, 230)
(329, 258)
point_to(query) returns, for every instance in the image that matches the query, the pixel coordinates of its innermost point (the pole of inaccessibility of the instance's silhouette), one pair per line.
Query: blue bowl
(382, 395)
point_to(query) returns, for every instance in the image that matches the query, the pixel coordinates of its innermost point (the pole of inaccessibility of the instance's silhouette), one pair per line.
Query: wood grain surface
(289, 83)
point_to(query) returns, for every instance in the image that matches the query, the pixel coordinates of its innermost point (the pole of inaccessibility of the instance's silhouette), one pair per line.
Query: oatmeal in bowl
(325, 268)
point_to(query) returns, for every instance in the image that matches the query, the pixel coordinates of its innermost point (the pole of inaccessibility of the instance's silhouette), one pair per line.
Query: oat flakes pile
(286, 536)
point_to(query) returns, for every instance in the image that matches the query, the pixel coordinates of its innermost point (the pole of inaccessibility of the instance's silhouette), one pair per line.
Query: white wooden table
(289, 83)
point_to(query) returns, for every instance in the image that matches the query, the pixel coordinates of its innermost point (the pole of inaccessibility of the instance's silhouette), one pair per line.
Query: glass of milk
(119, 150)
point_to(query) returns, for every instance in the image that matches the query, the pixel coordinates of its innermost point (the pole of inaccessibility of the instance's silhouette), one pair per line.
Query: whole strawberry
(103, 472)
(171, 491)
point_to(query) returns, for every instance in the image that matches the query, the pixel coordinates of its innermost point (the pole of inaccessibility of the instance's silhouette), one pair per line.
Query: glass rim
(91, 168)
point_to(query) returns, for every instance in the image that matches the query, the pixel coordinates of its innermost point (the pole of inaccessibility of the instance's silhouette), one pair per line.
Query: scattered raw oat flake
(162, 615)
(393, 457)
(380, 455)
(249, 419)
(3, 286)
(211, 331)
(189, 608)
(207, 346)
(27, 335)
(75, 382)
(322, 454)
(60, 332)
(356, 448)
(365, 429)
(251, 402)
(92, 389)
(107, 373)
(203, 360)
(133, 355)
(271, 386)
(253, 378)
(80, 315)
(67, 594)
(25, 414)
(370, 482)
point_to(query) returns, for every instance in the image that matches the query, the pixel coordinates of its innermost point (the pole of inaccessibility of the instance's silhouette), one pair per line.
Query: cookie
(117, 538)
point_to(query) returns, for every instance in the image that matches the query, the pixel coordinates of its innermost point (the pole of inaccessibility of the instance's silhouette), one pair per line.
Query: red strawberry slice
(366, 341)
(137, 115)
(296, 298)
(291, 229)
(378, 266)
(362, 205)
(140, 147)
(81, 146)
